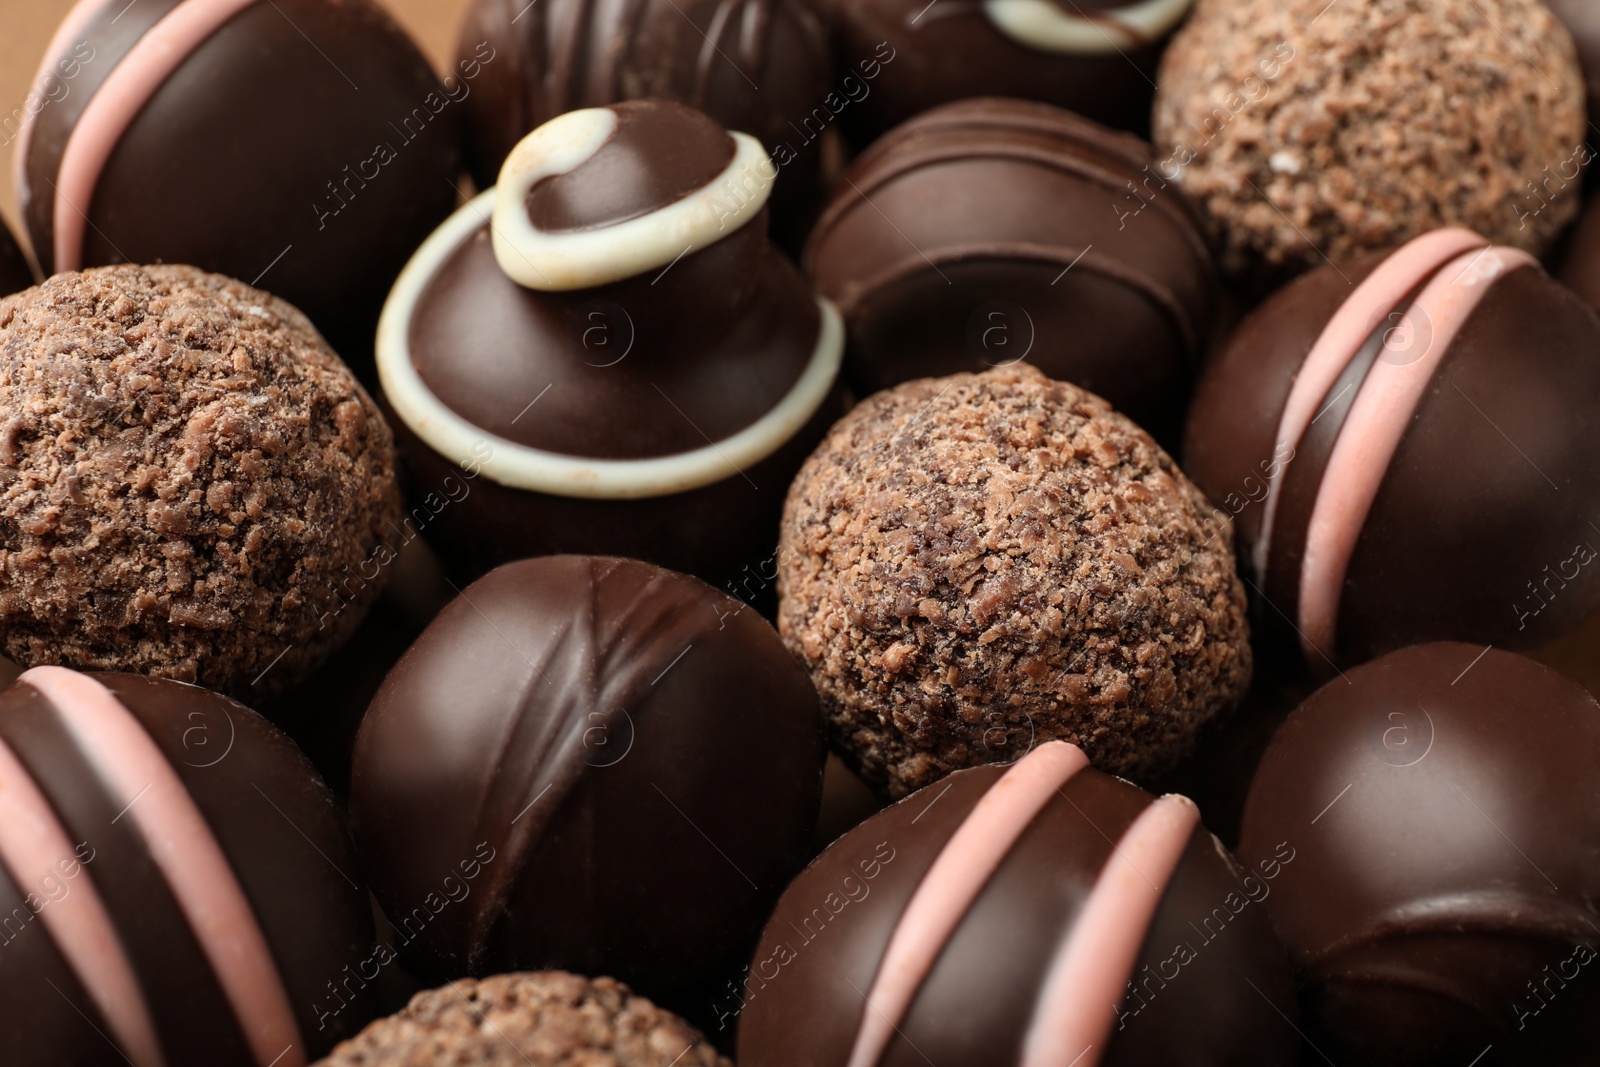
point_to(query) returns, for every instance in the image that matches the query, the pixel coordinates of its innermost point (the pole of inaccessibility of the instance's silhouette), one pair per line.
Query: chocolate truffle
(189, 480)
(1440, 805)
(305, 145)
(1043, 914)
(15, 274)
(587, 763)
(975, 563)
(991, 231)
(176, 882)
(538, 1019)
(606, 354)
(1095, 57)
(1282, 119)
(761, 67)
(1406, 444)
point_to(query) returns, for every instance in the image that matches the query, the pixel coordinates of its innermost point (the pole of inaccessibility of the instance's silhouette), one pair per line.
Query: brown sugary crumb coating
(974, 564)
(1370, 123)
(539, 1019)
(191, 482)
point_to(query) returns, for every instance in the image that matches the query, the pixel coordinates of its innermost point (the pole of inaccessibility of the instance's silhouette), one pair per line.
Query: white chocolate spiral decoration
(1044, 25)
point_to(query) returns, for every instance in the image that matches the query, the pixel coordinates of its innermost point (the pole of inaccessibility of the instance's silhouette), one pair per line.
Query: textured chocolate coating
(989, 231)
(1440, 801)
(578, 731)
(281, 834)
(803, 999)
(15, 274)
(323, 134)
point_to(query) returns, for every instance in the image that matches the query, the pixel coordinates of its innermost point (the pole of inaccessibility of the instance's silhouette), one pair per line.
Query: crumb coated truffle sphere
(191, 482)
(15, 274)
(605, 765)
(1305, 130)
(177, 884)
(975, 563)
(1440, 804)
(557, 1019)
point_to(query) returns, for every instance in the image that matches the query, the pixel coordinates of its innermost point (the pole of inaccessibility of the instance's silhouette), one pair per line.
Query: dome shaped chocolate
(606, 354)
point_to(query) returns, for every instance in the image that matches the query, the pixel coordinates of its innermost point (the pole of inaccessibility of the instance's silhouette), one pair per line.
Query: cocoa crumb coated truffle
(190, 480)
(976, 564)
(1305, 130)
(537, 1019)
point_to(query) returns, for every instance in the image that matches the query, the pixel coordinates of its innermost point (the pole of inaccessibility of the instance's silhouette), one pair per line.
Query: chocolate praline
(176, 882)
(1405, 444)
(15, 274)
(1441, 907)
(990, 231)
(562, 772)
(620, 361)
(1041, 914)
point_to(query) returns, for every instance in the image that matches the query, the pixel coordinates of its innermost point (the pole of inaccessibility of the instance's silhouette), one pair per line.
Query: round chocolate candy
(176, 884)
(606, 354)
(629, 761)
(1442, 904)
(15, 274)
(1043, 914)
(303, 145)
(758, 66)
(991, 231)
(1406, 445)
(1095, 57)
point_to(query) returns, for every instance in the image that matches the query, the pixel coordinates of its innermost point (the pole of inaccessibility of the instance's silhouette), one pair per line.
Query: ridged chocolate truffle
(1406, 444)
(1309, 132)
(991, 231)
(15, 274)
(1442, 906)
(973, 564)
(190, 480)
(176, 882)
(1041, 915)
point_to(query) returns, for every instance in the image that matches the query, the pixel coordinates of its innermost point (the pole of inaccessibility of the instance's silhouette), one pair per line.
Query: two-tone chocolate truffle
(627, 761)
(15, 274)
(1041, 915)
(1443, 906)
(176, 883)
(307, 146)
(1406, 444)
(606, 354)
(991, 231)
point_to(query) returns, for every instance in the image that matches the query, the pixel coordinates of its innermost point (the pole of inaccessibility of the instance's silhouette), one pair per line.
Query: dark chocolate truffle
(176, 882)
(1095, 57)
(1442, 904)
(1039, 915)
(15, 274)
(587, 763)
(1310, 132)
(761, 67)
(992, 231)
(538, 1019)
(606, 354)
(305, 145)
(1407, 445)
(189, 480)
(976, 563)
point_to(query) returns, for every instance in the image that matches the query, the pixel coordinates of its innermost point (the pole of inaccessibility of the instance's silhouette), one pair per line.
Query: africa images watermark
(53, 88)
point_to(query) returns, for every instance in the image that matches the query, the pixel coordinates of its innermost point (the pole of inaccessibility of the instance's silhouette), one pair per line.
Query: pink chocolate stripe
(1371, 302)
(32, 843)
(112, 110)
(965, 864)
(67, 34)
(1078, 1004)
(182, 846)
(1372, 430)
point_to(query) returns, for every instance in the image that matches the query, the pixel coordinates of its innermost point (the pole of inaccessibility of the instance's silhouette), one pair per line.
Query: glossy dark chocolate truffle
(1442, 905)
(15, 274)
(624, 365)
(991, 231)
(587, 763)
(1040, 915)
(176, 883)
(1406, 445)
(301, 145)
(1094, 57)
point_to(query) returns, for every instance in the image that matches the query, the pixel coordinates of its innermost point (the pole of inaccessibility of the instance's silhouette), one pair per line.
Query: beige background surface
(26, 26)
